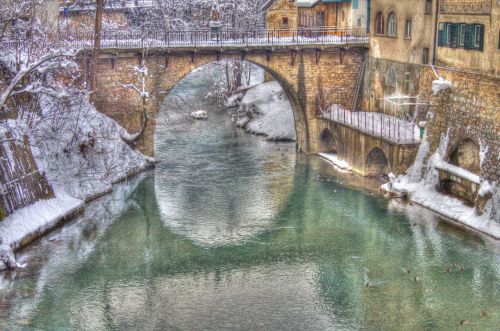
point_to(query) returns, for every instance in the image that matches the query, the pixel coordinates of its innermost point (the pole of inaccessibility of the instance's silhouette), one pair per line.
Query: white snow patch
(199, 115)
(440, 84)
(265, 110)
(423, 190)
(333, 159)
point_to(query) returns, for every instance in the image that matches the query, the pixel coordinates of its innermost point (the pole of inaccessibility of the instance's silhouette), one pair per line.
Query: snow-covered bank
(265, 110)
(82, 155)
(420, 186)
(333, 159)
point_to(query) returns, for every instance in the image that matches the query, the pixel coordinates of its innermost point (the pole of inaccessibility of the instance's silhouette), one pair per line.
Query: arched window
(392, 25)
(391, 77)
(379, 23)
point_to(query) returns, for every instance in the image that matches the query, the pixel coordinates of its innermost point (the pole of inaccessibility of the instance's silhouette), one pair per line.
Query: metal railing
(134, 38)
(390, 128)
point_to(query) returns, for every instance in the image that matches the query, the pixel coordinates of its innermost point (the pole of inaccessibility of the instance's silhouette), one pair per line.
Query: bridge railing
(136, 38)
(390, 128)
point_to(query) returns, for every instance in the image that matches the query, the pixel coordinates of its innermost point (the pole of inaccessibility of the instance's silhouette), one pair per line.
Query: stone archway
(298, 71)
(466, 155)
(327, 142)
(376, 163)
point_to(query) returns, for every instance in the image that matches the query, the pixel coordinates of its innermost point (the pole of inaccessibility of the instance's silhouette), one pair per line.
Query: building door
(320, 19)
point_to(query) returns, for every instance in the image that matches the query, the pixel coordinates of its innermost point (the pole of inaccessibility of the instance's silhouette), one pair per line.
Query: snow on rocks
(333, 159)
(441, 84)
(81, 153)
(265, 110)
(421, 188)
(35, 220)
(199, 115)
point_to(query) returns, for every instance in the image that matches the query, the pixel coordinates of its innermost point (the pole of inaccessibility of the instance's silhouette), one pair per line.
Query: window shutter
(454, 35)
(442, 35)
(481, 43)
(469, 36)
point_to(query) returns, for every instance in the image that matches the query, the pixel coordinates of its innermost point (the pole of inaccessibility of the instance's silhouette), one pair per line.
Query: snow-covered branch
(23, 73)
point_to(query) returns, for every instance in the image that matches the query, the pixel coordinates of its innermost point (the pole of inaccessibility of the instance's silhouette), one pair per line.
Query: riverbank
(264, 109)
(82, 159)
(451, 209)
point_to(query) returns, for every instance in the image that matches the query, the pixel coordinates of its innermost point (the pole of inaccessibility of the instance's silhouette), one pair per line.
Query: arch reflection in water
(218, 185)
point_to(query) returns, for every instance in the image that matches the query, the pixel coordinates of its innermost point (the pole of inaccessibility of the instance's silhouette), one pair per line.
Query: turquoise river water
(232, 232)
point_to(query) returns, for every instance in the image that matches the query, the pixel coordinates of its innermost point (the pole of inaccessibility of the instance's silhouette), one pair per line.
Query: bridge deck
(389, 128)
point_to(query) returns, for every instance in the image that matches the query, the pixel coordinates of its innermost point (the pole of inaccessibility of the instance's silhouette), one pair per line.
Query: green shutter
(442, 34)
(355, 4)
(481, 38)
(469, 36)
(454, 29)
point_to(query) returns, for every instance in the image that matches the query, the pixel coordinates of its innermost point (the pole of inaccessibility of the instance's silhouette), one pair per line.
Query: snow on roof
(306, 3)
(267, 4)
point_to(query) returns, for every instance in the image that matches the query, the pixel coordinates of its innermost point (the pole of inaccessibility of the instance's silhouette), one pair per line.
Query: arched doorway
(464, 155)
(327, 142)
(376, 163)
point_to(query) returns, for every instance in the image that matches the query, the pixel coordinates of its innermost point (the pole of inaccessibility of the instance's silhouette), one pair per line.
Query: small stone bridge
(305, 63)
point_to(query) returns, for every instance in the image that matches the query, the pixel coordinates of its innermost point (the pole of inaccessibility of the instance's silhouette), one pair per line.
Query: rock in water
(199, 115)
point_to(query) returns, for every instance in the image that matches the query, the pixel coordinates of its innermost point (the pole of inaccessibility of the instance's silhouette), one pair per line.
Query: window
(428, 7)
(425, 55)
(379, 24)
(408, 27)
(406, 85)
(461, 35)
(477, 36)
(392, 25)
(463, 29)
(343, 15)
(448, 34)
(360, 22)
(391, 77)
(284, 21)
(320, 19)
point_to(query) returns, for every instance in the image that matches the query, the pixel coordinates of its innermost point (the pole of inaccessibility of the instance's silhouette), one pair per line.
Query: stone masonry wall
(302, 73)
(470, 110)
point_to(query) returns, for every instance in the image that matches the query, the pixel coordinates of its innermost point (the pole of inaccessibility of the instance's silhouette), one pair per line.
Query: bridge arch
(288, 86)
(376, 163)
(327, 142)
(300, 70)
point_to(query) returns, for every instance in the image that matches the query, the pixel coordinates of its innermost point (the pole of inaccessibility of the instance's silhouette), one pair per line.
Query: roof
(267, 4)
(306, 3)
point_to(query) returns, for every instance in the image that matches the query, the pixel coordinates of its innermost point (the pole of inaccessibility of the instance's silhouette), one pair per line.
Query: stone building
(81, 14)
(46, 11)
(339, 13)
(280, 14)
(469, 35)
(461, 39)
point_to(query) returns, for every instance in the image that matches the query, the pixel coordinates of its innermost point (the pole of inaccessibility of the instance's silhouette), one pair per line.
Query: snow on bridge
(137, 38)
(389, 128)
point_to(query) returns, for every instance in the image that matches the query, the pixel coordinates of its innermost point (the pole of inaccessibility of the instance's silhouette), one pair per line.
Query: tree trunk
(97, 43)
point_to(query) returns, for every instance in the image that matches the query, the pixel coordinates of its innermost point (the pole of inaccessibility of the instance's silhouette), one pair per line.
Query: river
(232, 232)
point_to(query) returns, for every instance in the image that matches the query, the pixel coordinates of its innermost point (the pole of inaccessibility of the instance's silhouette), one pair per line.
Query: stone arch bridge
(305, 70)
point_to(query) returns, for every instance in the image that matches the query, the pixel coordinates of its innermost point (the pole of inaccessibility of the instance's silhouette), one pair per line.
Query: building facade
(468, 35)
(280, 14)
